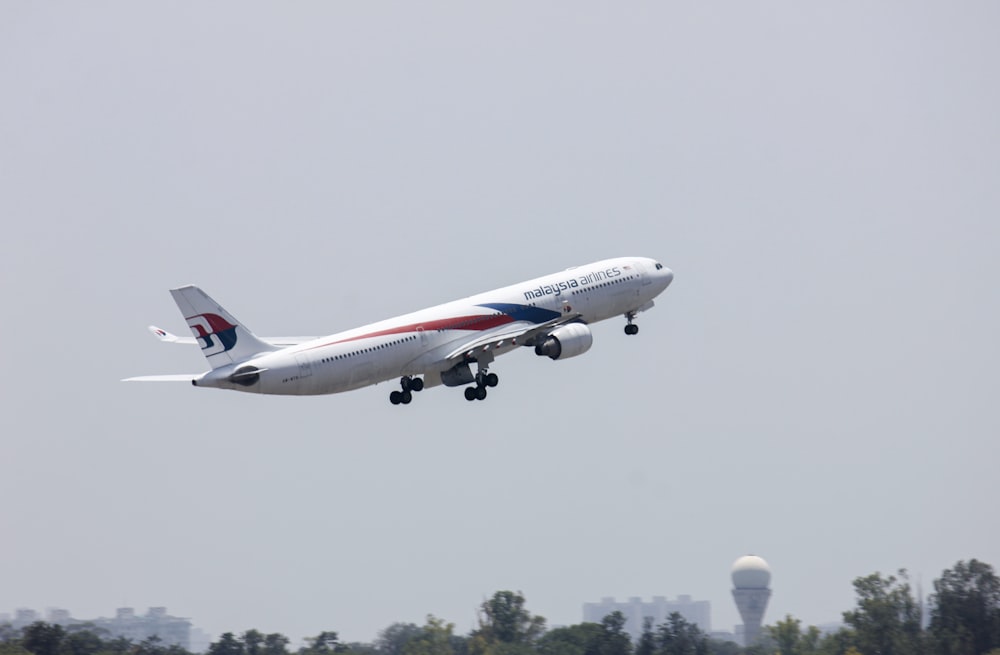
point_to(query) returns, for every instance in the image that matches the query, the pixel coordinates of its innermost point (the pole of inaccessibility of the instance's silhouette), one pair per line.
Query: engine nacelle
(566, 341)
(245, 376)
(457, 376)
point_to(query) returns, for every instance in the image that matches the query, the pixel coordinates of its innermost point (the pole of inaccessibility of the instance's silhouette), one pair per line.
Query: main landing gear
(631, 328)
(410, 385)
(483, 380)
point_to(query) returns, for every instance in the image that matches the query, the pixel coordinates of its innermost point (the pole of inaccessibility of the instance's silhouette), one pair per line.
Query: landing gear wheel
(492, 380)
(631, 328)
(480, 393)
(407, 386)
(470, 393)
(406, 383)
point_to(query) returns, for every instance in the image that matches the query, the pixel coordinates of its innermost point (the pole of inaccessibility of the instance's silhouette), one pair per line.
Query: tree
(324, 643)
(570, 640)
(810, 640)
(275, 643)
(965, 614)
(647, 638)
(505, 619)
(253, 642)
(360, 648)
(43, 638)
(787, 634)
(720, 647)
(679, 637)
(82, 642)
(506, 627)
(837, 643)
(435, 638)
(228, 644)
(117, 646)
(7, 633)
(612, 638)
(12, 648)
(790, 640)
(152, 645)
(887, 618)
(392, 640)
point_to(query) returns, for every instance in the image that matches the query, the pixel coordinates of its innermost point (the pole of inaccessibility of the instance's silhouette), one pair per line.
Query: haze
(818, 386)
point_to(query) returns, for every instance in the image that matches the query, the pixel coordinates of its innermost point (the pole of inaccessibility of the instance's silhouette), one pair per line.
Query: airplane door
(305, 366)
(644, 274)
(423, 335)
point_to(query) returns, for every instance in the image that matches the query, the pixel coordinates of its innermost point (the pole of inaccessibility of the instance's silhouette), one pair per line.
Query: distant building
(751, 591)
(172, 630)
(635, 610)
(24, 617)
(59, 616)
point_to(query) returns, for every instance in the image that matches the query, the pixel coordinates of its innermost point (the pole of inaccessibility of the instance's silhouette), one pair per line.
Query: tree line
(963, 618)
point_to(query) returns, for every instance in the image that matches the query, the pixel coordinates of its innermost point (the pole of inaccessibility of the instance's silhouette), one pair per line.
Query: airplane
(426, 348)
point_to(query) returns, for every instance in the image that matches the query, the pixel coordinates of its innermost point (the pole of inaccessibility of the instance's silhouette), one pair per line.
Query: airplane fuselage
(439, 341)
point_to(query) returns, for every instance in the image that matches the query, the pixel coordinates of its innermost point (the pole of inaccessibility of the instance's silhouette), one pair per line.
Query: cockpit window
(659, 265)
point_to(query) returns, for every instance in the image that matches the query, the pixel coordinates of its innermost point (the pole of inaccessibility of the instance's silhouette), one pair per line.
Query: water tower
(751, 591)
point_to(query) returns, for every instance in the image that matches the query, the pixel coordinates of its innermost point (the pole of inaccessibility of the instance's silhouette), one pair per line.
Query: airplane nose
(668, 277)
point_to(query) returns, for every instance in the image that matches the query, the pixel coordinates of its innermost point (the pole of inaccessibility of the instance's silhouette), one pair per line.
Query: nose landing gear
(631, 328)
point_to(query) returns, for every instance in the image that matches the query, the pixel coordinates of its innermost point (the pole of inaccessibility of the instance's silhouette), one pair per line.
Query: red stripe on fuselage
(474, 322)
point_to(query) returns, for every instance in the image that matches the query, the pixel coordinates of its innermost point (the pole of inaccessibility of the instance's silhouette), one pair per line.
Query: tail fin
(222, 338)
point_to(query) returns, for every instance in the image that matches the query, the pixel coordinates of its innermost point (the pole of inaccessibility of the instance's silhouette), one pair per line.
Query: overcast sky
(818, 386)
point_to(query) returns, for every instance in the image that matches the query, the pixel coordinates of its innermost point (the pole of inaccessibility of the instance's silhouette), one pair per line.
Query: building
(751, 591)
(635, 610)
(172, 630)
(24, 617)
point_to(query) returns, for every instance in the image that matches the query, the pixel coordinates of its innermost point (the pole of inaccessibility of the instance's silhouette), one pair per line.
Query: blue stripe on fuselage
(523, 312)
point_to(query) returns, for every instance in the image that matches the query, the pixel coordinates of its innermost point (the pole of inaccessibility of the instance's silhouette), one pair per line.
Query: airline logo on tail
(206, 326)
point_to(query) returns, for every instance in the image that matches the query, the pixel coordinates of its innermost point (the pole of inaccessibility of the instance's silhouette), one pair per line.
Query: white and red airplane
(549, 314)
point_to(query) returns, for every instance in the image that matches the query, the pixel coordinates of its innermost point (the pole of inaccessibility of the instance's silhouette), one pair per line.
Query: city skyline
(635, 611)
(171, 630)
(193, 638)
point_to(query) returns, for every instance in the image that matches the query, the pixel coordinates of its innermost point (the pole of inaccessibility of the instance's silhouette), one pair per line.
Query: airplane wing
(167, 337)
(518, 334)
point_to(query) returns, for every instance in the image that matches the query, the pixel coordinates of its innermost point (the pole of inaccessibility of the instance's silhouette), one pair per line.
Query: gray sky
(818, 386)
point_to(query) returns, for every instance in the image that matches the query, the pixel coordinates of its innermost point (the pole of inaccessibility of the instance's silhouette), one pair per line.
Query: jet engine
(565, 342)
(245, 376)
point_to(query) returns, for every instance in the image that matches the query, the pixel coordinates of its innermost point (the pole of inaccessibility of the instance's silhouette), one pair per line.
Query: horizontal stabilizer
(168, 337)
(179, 377)
(286, 341)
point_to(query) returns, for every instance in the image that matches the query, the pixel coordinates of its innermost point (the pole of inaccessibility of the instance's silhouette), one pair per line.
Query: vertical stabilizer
(222, 338)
